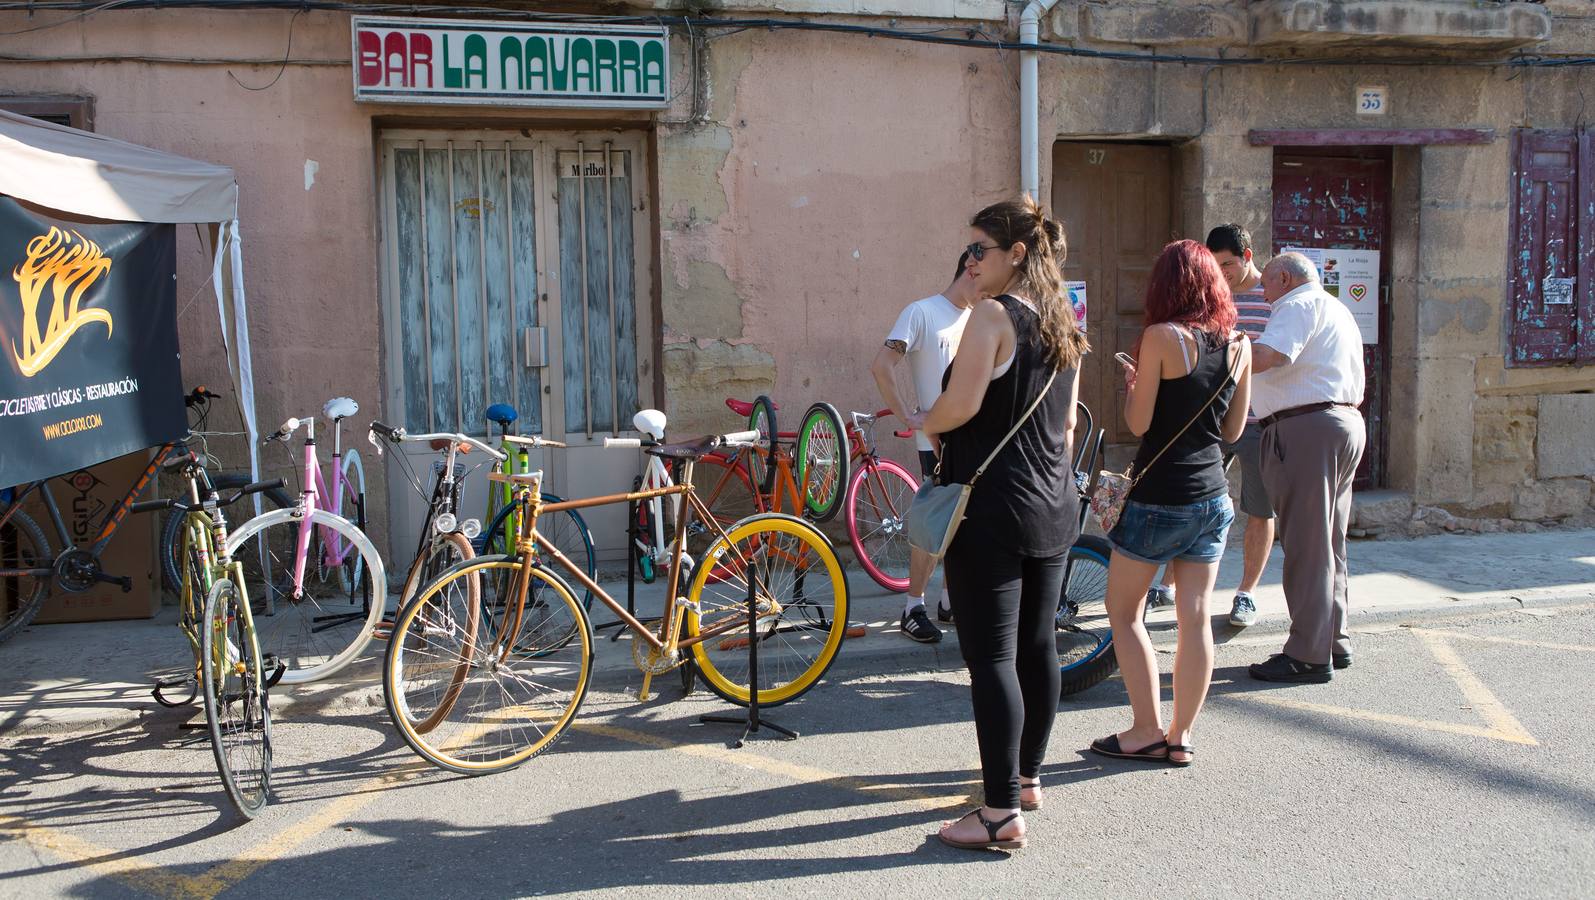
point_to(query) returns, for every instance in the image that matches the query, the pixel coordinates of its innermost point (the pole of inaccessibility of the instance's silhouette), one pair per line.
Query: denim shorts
(1194, 532)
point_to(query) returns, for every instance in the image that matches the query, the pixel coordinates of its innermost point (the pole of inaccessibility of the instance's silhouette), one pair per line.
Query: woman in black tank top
(1188, 393)
(1004, 569)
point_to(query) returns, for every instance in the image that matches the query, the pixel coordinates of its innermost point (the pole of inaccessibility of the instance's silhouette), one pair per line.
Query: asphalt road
(1453, 759)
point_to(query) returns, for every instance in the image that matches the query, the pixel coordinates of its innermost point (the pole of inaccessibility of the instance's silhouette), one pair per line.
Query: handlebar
(399, 436)
(532, 440)
(182, 506)
(615, 443)
(734, 439)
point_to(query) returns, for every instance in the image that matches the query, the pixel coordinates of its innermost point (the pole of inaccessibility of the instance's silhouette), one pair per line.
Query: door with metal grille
(511, 277)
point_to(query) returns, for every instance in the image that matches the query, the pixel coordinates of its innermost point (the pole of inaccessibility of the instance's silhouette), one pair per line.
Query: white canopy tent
(93, 175)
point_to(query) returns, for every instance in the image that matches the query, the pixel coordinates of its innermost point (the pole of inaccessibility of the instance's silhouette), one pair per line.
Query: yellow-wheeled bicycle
(230, 672)
(478, 686)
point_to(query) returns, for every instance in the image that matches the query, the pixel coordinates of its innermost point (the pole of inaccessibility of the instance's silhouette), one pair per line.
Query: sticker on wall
(1077, 299)
(1353, 277)
(1557, 292)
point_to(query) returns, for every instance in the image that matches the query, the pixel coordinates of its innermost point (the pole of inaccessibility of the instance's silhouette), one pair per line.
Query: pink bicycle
(316, 586)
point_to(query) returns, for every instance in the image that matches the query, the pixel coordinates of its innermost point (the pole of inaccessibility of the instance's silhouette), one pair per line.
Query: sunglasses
(977, 250)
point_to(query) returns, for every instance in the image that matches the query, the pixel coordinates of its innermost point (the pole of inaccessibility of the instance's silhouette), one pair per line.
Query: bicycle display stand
(751, 723)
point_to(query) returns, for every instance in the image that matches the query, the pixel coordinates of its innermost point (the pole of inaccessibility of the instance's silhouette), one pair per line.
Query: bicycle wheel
(801, 596)
(822, 461)
(727, 492)
(1085, 643)
(490, 708)
(567, 530)
(236, 707)
(350, 567)
(22, 546)
(447, 550)
(327, 625)
(762, 420)
(172, 529)
(878, 497)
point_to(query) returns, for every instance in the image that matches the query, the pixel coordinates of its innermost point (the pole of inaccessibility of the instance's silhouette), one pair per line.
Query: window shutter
(1546, 250)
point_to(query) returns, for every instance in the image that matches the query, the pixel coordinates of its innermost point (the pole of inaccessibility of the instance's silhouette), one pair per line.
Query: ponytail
(1040, 273)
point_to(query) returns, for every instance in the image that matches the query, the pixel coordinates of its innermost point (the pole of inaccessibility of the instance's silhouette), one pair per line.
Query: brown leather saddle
(693, 450)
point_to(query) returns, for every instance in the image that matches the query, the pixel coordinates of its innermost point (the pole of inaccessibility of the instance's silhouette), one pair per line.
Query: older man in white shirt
(1307, 385)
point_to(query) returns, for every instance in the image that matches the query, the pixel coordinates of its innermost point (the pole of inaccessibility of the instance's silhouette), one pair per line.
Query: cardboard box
(83, 498)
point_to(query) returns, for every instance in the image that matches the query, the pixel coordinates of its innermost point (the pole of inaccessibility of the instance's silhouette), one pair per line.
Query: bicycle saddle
(650, 422)
(340, 408)
(503, 414)
(694, 450)
(745, 407)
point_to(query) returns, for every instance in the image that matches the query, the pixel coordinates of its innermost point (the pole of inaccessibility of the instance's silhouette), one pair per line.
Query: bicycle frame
(334, 550)
(109, 525)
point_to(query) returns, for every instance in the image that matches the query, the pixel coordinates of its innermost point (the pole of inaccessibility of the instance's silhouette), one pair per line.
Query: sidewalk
(74, 678)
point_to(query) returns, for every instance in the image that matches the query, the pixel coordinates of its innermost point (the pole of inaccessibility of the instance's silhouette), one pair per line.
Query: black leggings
(1004, 605)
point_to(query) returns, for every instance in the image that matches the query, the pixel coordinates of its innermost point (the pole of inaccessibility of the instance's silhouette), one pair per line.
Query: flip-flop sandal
(991, 831)
(1029, 805)
(1109, 746)
(1186, 749)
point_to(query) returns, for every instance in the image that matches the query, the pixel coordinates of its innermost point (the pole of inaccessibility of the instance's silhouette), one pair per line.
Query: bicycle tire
(762, 420)
(290, 640)
(569, 533)
(353, 493)
(1082, 613)
(765, 537)
(445, 552)
(486, 680)
(878, 496)
(171, 579)
(237, 711)
(23, 546)
(823, 456)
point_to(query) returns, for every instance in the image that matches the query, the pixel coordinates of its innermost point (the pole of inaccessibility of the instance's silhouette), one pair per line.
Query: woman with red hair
(1188, 391)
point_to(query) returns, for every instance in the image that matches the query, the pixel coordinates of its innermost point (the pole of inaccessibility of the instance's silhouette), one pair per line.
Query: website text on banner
(88, 342)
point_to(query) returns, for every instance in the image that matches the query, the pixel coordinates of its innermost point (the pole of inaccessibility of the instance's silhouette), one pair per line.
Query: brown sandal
(1029, 805)
(994, 843)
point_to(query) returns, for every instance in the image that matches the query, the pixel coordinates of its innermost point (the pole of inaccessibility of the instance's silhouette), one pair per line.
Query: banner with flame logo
(88, 342)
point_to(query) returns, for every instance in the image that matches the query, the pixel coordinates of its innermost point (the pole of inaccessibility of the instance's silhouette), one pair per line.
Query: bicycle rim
(1084, 640)
(351, 567)
(326, 627)
(801, 593)
(22, 546)
(822, 458)
(236, 707)
(762, 420)
(877, 505)
(487, 709)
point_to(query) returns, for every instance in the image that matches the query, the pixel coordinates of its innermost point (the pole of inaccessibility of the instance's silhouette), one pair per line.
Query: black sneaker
(918, 626)
(944, 614)
(1281, 667)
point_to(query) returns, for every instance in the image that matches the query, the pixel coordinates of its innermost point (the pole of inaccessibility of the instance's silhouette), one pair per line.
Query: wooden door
(1116, 203)
(1339, 198)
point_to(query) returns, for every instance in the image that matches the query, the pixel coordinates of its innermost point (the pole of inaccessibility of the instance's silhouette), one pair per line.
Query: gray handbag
(938, 509)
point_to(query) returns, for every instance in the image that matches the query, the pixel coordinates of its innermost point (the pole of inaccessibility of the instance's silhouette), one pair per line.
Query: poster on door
(1353, 277)
(1077, 300)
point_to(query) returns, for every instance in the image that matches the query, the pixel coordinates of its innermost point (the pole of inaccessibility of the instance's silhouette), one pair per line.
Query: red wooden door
(1339, 198)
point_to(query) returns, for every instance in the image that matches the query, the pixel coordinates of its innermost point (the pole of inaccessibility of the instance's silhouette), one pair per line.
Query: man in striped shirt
(1232, 247)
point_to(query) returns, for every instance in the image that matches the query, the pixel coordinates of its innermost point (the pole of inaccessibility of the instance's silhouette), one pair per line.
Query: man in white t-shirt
(1307, 385)
(926, 335)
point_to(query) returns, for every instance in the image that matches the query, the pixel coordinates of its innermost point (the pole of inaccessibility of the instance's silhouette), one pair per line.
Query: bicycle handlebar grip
(614, 443)
(387, 431)
(259, 486)
(152, 505)
(740, 437)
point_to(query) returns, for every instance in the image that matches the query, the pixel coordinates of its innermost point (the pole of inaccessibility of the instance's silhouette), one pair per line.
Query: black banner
(88, 342)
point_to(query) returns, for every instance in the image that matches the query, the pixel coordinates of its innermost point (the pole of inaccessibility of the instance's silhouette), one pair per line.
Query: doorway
(1117, 204)
(512, 274)
(1339, 198)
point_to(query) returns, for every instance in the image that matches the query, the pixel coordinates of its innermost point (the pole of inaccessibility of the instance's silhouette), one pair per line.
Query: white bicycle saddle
(340, 408)
(650, 422)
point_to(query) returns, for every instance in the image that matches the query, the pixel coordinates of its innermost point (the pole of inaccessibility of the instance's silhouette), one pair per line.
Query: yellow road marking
(1517, 642)
(117, 864)
(1500, 724)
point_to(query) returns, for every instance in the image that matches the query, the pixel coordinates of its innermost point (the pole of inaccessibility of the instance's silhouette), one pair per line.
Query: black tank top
(1192, 469)
(1026, 502)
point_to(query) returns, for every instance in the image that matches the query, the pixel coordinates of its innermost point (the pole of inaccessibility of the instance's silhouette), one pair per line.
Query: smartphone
(1125, 359)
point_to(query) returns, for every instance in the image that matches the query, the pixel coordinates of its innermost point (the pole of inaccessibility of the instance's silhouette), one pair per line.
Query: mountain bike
(30, 570)
(316, 584)
(483, 687)
(228, 666)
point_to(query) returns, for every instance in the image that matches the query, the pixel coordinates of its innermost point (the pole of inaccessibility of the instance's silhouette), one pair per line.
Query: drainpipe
(1029, 101)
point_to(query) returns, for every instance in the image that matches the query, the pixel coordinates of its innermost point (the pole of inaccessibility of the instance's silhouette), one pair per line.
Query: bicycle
(475, 704)
(229, 669)
(1085, 642)
(30, 571)
(569, 532)
(317, 586)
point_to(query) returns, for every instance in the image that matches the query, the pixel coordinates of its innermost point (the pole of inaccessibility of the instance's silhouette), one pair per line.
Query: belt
(1284, 414)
